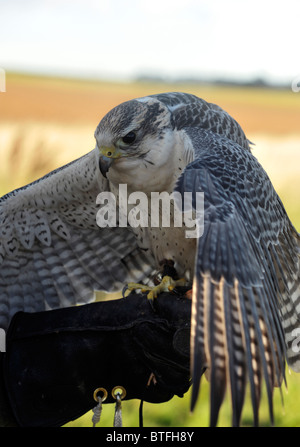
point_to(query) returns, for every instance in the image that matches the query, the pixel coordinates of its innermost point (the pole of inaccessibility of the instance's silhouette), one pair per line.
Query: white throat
(158, 170)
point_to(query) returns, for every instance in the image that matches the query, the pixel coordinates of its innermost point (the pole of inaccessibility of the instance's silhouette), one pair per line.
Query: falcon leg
(168, 283)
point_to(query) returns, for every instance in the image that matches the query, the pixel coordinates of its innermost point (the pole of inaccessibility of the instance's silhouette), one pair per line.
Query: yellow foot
(167, 284)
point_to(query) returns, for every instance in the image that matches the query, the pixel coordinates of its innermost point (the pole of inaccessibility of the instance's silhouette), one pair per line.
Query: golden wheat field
(46, 122)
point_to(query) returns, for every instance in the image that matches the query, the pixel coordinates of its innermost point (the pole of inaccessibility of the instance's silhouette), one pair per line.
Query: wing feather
(52, 252)
(245, 291)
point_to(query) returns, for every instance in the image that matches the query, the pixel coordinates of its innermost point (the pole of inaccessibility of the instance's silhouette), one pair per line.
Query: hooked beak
(104, 164)
(107, 156)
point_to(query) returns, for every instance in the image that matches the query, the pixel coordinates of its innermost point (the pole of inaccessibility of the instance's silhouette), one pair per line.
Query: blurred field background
(46, 122)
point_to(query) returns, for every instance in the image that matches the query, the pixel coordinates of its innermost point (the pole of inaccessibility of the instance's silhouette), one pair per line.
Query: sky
(123, 39)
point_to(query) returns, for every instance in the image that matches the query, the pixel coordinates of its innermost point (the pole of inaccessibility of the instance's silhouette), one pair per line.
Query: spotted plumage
(244, 268)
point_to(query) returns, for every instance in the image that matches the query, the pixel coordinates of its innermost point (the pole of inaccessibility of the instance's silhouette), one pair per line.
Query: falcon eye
(129, 138)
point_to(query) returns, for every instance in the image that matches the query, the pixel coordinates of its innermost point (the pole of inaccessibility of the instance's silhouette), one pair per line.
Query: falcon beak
(107, 156)
(104, 164)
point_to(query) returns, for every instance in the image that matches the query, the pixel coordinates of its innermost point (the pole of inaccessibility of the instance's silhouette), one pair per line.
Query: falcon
(243, 269)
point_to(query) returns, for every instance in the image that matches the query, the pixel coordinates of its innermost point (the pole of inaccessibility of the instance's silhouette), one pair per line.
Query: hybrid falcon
(243, 270)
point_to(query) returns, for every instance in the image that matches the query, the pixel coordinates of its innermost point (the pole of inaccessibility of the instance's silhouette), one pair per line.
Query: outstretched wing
(52, 253)
(246, 291)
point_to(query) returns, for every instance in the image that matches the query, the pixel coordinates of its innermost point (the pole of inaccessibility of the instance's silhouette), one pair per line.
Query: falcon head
(135, 141)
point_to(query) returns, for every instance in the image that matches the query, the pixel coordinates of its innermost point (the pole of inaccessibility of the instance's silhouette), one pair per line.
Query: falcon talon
(136, 286)
(167, 284)
(124, 290)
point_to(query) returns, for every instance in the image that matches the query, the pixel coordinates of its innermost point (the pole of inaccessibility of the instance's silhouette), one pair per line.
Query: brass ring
(114, 392)
(100, 390)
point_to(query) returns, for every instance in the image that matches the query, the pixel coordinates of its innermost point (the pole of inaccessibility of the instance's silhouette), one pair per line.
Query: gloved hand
(55, 360)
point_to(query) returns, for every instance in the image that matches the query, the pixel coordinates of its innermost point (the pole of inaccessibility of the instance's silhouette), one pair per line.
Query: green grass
(176, 412)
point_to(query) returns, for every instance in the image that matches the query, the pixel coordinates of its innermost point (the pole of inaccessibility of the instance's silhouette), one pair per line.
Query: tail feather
(216, 352)
(236, 338)
(236, 365)
(252, 359)
(198, 360)
(263, 348)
